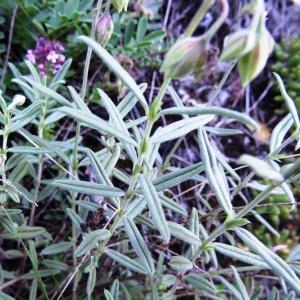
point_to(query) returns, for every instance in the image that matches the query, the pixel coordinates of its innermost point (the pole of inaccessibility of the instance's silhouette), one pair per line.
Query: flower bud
(120, 5)
(251, 64)
(17, 100)
(238, 44)
(104, 29)
(187, 56)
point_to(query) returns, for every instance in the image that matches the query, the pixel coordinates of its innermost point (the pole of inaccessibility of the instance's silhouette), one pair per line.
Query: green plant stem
(216, 25)
(77, 136)
(206, 5)
(40, 165)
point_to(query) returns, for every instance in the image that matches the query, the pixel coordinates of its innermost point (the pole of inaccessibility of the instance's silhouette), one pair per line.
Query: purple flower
(47, 56)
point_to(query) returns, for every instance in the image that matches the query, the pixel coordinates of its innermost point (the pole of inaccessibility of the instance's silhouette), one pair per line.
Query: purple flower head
(47, 56)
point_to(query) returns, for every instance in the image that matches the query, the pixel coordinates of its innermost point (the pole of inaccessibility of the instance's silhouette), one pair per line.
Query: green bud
(238, 44)
(104, 29)
(187, 56)
(120, 5)
(251, 64)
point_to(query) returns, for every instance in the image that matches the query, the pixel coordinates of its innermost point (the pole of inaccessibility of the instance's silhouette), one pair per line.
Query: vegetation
(113, 186)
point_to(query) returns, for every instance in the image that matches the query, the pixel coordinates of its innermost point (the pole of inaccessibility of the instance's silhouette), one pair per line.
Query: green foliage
(287, 65)
(85, 218)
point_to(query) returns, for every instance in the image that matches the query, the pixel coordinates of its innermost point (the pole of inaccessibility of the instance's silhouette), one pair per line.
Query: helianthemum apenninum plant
(121, 233)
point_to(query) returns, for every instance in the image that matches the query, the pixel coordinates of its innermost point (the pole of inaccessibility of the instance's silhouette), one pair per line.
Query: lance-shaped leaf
(60, 75)
(116, 68)
(169, 180)
(241, 287)
(224, 112)
(25, 116)
(130, 100)
(57, 248)
(214, 172)
(23, 232)
(78, 100)
(194, 225)
(47, 92)
(155, 207)
(180, 263)
(200, 283)
(289, 102)
(240, 254)
(75, 218)
(92, 121)
(115, 289)
(118, 122)
(91, 240)
(125, 261)
(179, 128)
(139, 246)
(234, 291)
(89, 188)
(183, 234)
(260, 167)
(172, 205)
(277, 264)
(108, 295)
(91, 280)
(279, 132)
(98, 168)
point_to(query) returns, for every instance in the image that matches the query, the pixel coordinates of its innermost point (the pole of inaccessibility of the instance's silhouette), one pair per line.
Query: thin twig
(10, 36)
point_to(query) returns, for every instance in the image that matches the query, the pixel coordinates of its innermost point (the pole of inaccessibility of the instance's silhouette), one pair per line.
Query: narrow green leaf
(129, 101)
(180, 263)
(172, 205)
(241, 287)
(139, 246)
(155, 207)
(289, 102)
(23, 232)
(125, 261)
(200, 283)
(224, 112)
(92, 121)
(179, 128)
(279, 266)
(47, 92)
(75, 218)
(115, 289)
(116, 68)
(214, 172)
(108, 295)
(91, 240)
(172, 179)
(118, 122)
(91, 281)
(57, 248)
(89, 188)
(183, 234)
(78, 100)
(240, 254)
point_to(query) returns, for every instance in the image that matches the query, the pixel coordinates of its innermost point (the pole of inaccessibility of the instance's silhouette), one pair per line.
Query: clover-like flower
(47, 56)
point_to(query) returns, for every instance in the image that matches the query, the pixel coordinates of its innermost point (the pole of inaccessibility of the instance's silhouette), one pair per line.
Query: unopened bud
(17, 100)
(104, 29)
(187, 56)
(251, 64)
(120, 5)
(238, 44)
